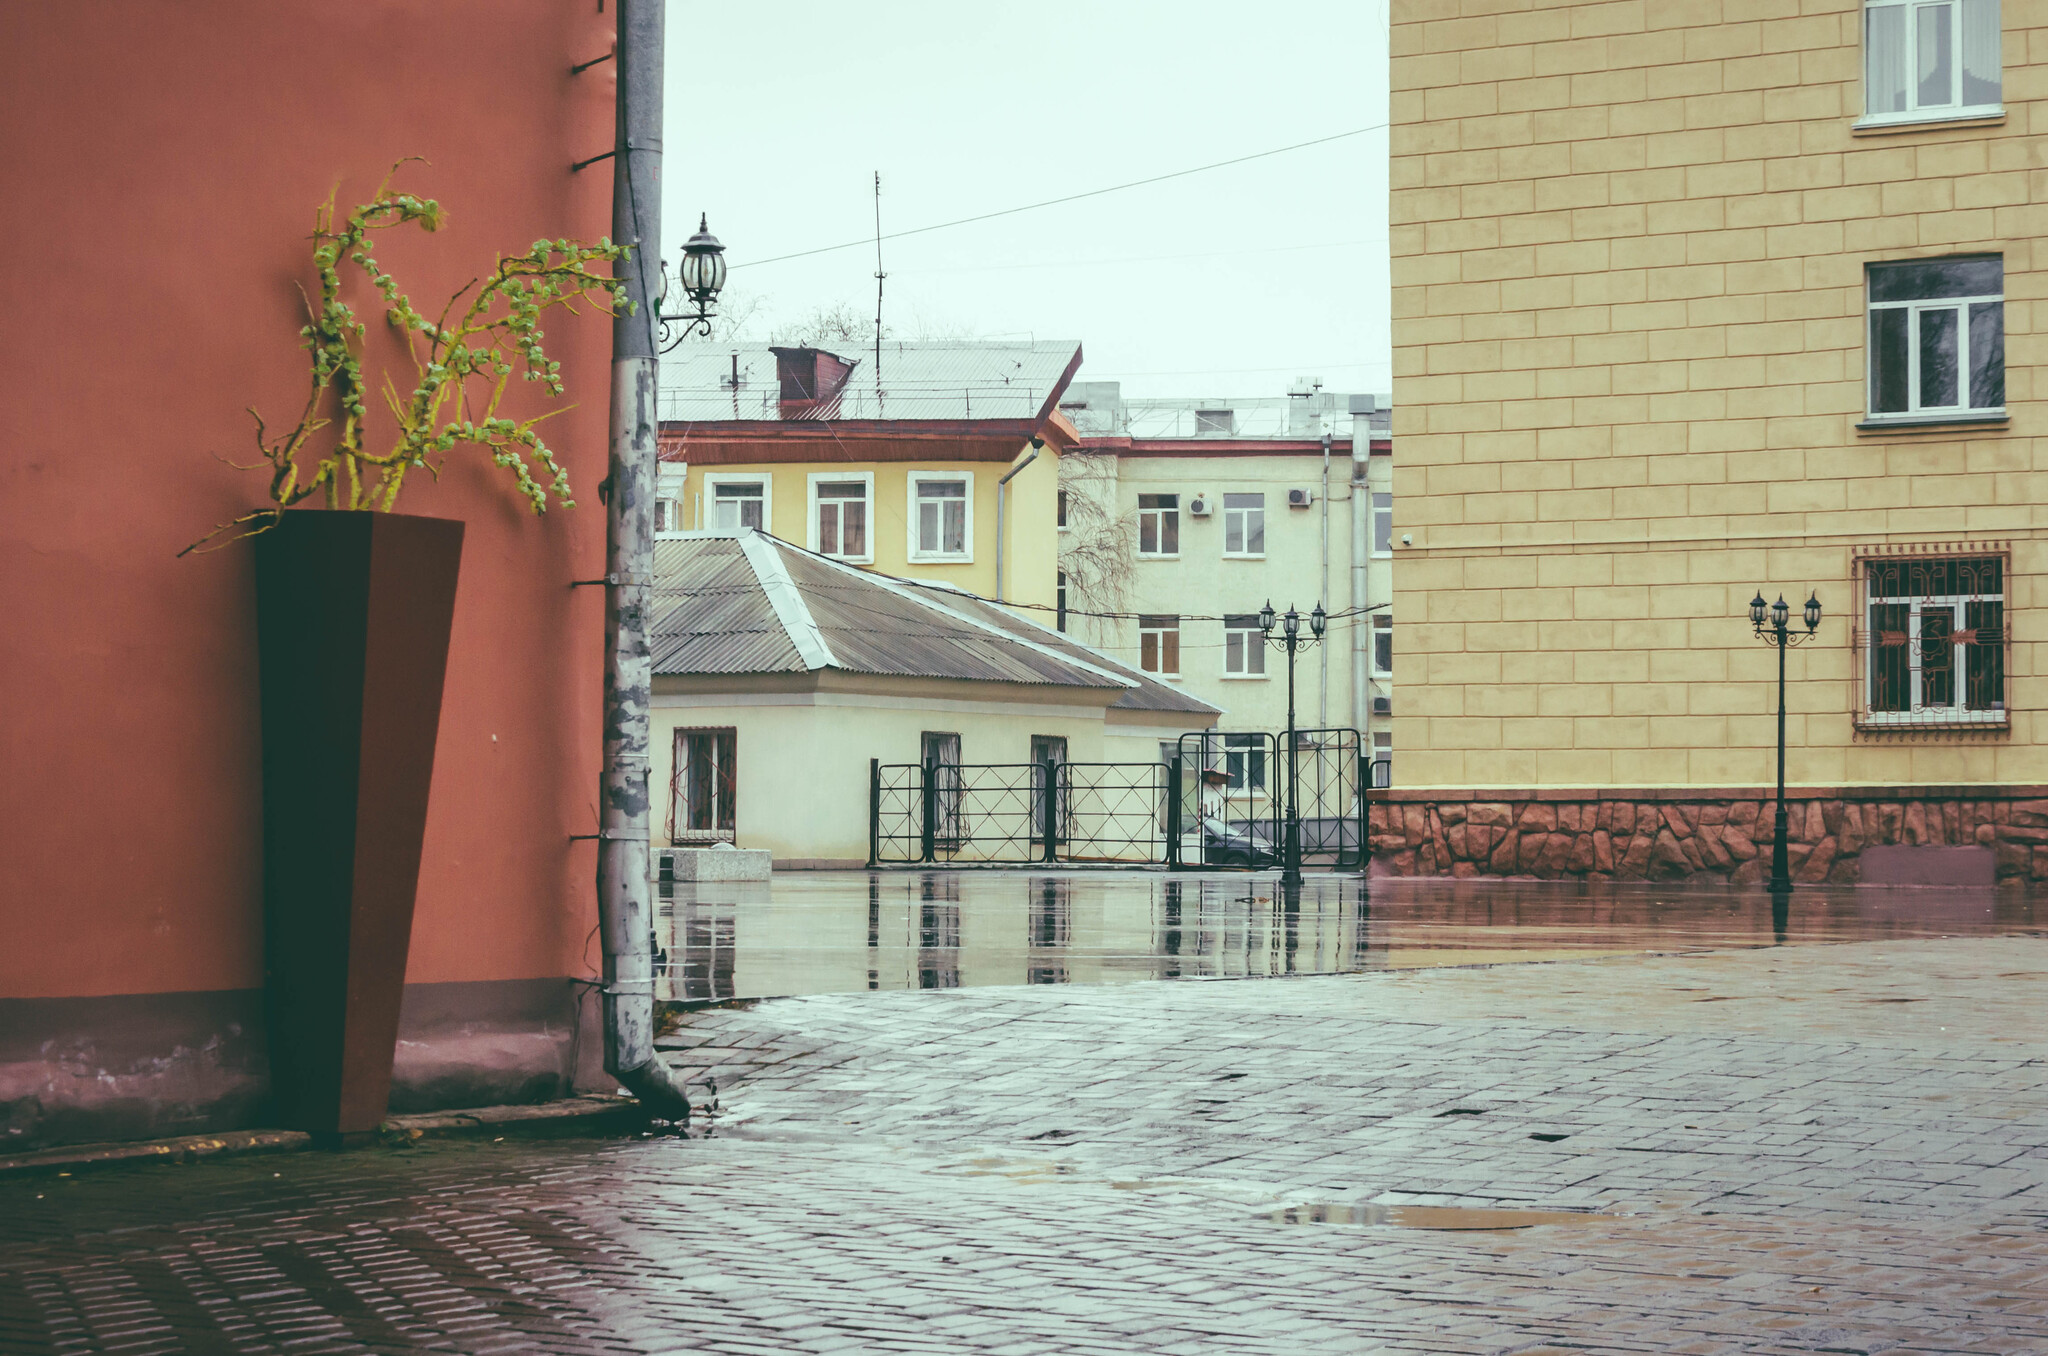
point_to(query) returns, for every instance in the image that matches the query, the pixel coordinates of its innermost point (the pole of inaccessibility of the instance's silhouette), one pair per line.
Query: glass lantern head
(1756, 608)
(1812, 611)
(703, 267)
(1292, 623)
(1779, 612)
(1317, 620)
(1266, 617)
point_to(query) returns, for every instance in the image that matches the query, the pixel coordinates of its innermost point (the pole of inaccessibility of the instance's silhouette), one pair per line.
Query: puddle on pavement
(1445, 1218)
(844, 931)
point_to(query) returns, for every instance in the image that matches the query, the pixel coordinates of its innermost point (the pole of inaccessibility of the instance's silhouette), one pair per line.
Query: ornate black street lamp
(1771, 626)
(1292, 641)
(703, 277)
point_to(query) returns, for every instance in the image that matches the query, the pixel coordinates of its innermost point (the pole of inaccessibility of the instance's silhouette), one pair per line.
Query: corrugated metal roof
(711, 614)
(1149, 694)
(875, 629)
(939, 380)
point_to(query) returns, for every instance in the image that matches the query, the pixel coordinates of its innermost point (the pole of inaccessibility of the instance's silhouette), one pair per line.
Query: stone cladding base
(1709, 833)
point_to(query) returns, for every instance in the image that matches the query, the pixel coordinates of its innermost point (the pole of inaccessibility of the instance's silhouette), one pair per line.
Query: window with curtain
(1159, 645)
(739, 504)
(1927, 59)
(842, 525)
(940, 524)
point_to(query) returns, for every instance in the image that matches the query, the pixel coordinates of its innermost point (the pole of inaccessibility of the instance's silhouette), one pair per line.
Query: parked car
(1250, 844)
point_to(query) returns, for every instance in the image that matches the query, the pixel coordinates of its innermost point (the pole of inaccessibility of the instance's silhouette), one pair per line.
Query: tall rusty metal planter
(353, 614)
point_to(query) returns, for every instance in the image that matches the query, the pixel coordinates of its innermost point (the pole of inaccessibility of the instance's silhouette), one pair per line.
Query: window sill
(1933, 423)
(1157, 555)
(1918, 723)
(1245, 677)
(1243, 555)
(847, 560)
(1926, 121)
(924, 558)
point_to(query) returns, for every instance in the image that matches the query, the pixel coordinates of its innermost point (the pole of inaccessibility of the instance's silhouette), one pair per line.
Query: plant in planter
(353, 614)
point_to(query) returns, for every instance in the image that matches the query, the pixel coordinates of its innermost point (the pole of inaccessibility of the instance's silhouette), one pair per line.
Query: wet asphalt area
(1473, 1119)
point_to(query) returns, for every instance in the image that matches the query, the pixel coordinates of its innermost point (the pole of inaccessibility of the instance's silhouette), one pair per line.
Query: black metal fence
(990, 814)
(1219, 802)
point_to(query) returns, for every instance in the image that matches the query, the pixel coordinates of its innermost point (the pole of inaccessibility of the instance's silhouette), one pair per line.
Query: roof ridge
(787, 600)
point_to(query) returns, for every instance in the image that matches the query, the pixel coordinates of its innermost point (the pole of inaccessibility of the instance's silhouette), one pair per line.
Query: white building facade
(1184, 517)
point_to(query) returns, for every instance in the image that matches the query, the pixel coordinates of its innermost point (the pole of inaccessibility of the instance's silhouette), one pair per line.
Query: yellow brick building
(1694, 298)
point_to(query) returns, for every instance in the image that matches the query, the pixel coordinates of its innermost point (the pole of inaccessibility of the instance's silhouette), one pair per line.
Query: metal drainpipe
(1323, 684)
(1361, 583)
(624, 852)
(1002, 487)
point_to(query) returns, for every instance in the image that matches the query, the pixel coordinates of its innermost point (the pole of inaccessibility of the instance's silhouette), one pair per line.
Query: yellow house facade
(1694, 300)
(941, 464)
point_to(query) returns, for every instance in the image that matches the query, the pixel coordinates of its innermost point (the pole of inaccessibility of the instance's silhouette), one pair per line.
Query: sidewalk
(1816, 1148)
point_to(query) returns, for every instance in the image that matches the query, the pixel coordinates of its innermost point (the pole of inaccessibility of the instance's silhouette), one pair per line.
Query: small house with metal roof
(779, 673)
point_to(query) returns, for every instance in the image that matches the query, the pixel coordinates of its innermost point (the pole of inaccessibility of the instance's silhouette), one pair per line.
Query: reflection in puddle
(841, 931)
(1449, 1218)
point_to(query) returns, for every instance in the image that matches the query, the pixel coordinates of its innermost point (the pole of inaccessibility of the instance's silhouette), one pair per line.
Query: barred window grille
(1932, 645)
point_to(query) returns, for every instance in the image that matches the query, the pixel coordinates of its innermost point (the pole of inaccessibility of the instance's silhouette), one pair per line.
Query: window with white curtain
(1926, 59)
(941, 516)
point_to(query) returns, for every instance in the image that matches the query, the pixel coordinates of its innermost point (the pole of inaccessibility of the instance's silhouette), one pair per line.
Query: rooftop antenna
(879, 275)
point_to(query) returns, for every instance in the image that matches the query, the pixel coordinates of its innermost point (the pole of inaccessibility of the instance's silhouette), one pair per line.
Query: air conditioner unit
(1300, 498)
(1198, 507)
(1383, 706)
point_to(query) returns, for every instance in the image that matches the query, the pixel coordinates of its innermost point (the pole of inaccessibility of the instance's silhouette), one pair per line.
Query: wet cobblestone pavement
(1781, 1149)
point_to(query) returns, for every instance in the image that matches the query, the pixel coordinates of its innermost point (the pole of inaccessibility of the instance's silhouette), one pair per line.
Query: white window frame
(814, 537)
(911, 514)
(671, 481)
(1243, 514)
(1915, 412)
(1158, 526)
(714, 482)
(1382, 621)
(1923, 113)
(1382, 743)
(1159, 648)
(1253, 643)
(1382, 524)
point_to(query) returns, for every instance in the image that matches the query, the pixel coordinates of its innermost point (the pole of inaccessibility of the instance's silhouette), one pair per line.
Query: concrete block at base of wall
(1929, 866)
(715, 864)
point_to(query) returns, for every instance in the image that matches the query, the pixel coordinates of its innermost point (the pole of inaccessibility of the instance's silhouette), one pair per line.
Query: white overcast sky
(1227, 283)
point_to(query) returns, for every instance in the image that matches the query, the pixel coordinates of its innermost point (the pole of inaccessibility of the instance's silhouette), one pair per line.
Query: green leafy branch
(463, 364)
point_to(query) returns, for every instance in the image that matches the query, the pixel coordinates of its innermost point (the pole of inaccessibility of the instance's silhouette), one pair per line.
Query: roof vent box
(1300, 498)
(1198, 507)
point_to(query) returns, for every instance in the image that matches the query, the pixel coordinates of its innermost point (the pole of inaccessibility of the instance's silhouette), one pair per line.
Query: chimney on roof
(812, 381)
(1302, 404)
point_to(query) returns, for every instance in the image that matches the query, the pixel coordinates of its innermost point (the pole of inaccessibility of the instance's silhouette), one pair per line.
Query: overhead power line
(1071, 197)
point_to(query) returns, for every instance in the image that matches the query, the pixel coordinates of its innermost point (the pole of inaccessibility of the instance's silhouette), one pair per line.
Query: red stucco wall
(158, 171)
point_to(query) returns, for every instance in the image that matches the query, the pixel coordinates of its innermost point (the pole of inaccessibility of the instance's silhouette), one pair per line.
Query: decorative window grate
(1932, 647)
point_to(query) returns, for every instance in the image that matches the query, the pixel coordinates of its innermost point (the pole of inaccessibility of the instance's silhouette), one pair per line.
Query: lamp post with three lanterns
(1292, 641)
(1770, 621)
